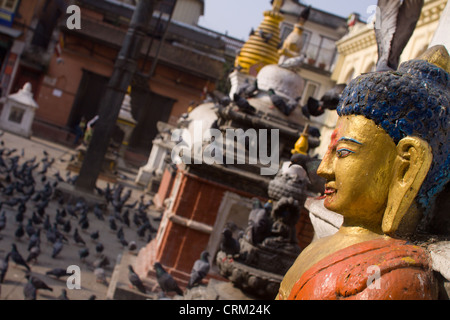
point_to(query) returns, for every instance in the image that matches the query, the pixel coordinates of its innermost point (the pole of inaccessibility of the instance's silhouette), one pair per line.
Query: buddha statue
(386, 164)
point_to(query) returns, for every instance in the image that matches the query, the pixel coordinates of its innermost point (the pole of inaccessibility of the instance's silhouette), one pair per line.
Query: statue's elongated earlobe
(410, 169)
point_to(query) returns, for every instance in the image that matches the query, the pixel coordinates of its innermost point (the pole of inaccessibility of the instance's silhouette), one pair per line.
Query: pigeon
(51, 235)
(101, 262)
(120, 233)
(132, 246)
(123, 241)
(29, 228)
(84, 223)
(112, 223)
(248, 90)
(17, 257)
(166, 282)
(141, 231)
(243, 104)
(67, 226)
(135, 280)
(98, 212)
(35, 218)
(19, 216)
(71, 210)
(126, 218)
(2, 221)
(294, 63)
(34, 254)
(47, 225)
(136, 220)
(57, 248)
(279, 102)
(99, 248)
(20, 232)
(199, 270)
(29, 291)
(100, 275)
(95, 235)
(266, 36)
(63, 295)
(83, 253)
(258, 223)
(329, 100)
(57, 272)
(4, 263)
(38, 283)
(78, 239)
(34, 240)
(228, 244)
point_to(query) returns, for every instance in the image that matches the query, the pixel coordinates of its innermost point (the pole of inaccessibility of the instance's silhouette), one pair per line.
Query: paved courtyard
(14, 281)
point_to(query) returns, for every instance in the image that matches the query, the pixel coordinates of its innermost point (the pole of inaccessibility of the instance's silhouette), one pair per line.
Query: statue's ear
(411, 166)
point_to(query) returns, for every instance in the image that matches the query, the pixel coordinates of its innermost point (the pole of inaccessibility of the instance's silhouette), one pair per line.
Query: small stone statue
(386, 164)
(283, 233)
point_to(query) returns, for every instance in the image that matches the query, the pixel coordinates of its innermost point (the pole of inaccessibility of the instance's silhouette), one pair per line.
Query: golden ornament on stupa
(261, 48)
(302, 146)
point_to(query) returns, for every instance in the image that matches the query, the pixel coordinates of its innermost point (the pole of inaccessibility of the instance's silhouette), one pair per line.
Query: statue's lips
(329, 190)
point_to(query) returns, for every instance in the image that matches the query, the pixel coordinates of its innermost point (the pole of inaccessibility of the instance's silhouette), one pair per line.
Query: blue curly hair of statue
(412, 101)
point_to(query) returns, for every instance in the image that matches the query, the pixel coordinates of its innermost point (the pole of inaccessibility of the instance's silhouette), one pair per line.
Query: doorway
(87, 101)
(148, 108)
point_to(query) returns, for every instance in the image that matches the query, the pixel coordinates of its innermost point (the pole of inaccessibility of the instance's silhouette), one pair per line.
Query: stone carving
(268, 246)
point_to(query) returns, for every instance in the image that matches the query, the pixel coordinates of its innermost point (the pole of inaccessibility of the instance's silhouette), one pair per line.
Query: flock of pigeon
(38, 215)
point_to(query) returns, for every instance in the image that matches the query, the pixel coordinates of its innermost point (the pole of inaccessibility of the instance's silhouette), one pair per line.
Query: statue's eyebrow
(350, 140)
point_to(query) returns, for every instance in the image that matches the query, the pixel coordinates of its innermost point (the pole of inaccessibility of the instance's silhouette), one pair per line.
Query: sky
(238, 17)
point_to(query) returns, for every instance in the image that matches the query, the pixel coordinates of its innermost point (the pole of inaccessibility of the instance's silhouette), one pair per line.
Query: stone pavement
(12, 287)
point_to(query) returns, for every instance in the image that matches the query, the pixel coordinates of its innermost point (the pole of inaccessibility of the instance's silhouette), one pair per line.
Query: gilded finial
(437, 55)
(276, 5)
(301, 146)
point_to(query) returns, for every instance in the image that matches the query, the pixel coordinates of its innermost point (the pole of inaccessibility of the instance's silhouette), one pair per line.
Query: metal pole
(124, 69)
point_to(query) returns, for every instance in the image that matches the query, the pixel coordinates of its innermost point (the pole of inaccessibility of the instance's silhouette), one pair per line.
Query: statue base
(258, 282)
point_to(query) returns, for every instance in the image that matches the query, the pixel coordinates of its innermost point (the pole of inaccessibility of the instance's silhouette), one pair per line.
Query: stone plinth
(253, 280)
(108, 166)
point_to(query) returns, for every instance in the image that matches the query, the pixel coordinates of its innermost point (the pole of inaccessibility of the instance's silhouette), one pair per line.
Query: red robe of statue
(373, 270)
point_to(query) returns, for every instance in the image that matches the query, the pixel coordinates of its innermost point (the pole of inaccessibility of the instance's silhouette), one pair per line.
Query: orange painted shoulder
(377, 269)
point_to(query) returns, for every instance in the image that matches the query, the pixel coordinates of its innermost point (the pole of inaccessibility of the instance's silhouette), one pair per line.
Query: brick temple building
(70, 68)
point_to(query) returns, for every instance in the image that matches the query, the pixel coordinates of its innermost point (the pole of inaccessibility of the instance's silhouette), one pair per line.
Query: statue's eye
(342, 153)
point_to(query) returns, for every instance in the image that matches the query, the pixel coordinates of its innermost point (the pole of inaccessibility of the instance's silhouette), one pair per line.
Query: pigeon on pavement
(199, 270)
(17, 257)
(166, 282)
(135, 280)
(4, 263)
(38, 283)
(57, 272)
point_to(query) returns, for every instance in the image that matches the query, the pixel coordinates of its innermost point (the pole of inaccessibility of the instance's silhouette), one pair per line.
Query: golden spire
(262, 46)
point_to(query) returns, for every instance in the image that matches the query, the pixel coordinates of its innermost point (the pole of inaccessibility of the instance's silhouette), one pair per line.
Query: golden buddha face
(358, 167)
